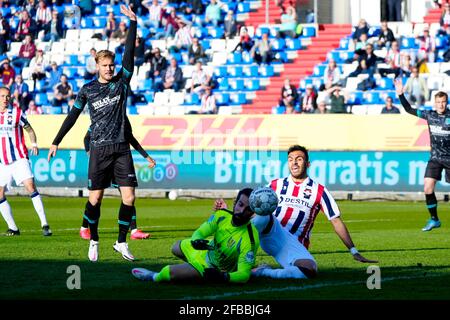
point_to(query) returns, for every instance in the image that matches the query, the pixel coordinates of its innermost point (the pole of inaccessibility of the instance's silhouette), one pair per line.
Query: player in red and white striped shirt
(300, 200)
(14, 163)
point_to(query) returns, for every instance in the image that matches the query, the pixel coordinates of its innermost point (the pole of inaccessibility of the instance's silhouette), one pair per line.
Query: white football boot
(122, 248)
(93, 251)
(143, 274)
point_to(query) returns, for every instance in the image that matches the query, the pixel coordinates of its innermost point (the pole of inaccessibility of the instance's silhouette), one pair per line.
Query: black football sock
(92, 215)
(432, 205)
(85, 223)
(133, 224)
(125, 214)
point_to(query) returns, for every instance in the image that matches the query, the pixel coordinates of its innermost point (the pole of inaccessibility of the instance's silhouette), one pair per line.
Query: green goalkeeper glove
(201, 244)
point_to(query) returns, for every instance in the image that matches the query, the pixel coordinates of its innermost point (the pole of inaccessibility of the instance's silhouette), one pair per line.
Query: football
(263, 201)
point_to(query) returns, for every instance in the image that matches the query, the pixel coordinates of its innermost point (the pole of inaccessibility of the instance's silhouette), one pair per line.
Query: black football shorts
(434, 170)
(111, 164)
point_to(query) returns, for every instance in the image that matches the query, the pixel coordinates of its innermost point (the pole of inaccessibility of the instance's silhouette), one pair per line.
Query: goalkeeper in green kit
(228, 257)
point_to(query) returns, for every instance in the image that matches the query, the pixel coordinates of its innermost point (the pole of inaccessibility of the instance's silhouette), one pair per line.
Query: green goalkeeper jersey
(234, 247)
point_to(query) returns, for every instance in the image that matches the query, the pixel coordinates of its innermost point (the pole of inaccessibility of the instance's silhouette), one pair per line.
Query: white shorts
(19, 170)
(282, 245)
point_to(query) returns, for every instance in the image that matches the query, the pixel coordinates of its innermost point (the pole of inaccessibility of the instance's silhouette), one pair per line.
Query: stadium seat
(223, 84)
(319, 70)
(56, 110)
(99, 22)
(217, 45)
(216, 32)
(220, 71)
(41, 99)
(251, 84)
(308, 31)
(234, 58)
(250, 70)
(293, 44)
(234, 71)
(191, 99)
(408, 43)
(385, 83)
(100, 11)
(87, 22)
(222, 98)
(236, 84)
(278, 44)
(176, 99)
(372, 97)
(266, 71)
(237, 98)
(355, 97)
(279, 110)
(243, 7)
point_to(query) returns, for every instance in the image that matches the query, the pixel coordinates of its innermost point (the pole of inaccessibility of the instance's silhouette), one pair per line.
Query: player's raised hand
(128, 12)
(398, 86)
(151, 162)
(219, 204)
(52, 151)
(360, 258)
(34, 151)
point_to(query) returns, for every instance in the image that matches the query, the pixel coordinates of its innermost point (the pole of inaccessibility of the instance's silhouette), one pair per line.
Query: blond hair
(102, 54)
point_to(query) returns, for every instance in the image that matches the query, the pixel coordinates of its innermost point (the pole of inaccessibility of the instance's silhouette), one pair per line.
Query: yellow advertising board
(256, 132)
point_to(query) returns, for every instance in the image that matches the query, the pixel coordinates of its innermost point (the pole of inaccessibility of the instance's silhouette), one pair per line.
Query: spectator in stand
(54, 30)
(196, 52)
(91, 65)
(62, 92)
(55, 73)
(406, 65)
(43, 15)
(87, 6)
(33, 109)
(395, 10)
(288, 23)
(5, 30)
(261, 51)
(200, 79)
(171, 77)
(26, 53)
(183, 37)
(246, 42)
(289, 94)
(393, 59)
(111, 26)
(308, 100)
(361, 28)
(416, 88)
(389, 107)
(338, 101)
(427, 47)
(27, 26)
(445, 17)
(208, 102)
(120, 35)
(386, 36)
(158, 64)
(7, 73)
(20, 92)
(331, 76)
(213, 13)
(30, 6)
(171, 24)
(139, 52)
(361, 44)
(154, 13)
(194, 7)
(230, 25)
(37, 66)
(321, 108)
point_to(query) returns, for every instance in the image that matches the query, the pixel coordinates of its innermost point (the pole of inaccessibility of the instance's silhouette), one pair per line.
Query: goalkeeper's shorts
(196, 258)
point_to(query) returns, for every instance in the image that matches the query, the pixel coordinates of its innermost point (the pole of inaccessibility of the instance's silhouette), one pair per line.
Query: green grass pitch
(413, 264)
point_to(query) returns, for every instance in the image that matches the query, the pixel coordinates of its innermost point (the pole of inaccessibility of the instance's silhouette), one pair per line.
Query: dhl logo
(204, 132)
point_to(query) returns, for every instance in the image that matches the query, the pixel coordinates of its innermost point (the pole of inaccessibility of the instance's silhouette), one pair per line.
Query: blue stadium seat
(441, 42)
(247, 58)
(87, 23)
(40, 84)
(293, 44)
(343, 43)
(99, 22)
(374, 31)
(223, 84)
(278, 110)
(201, 33)
(191, 99)
(222, 99)
(408, 43)
(220, 71)
(237, 98)
(206, 44)
(100, 11)
(216, 33)
(56, 110)
(145, 85)
(243, 7)
(372, 97)
(149, 96)
(281, 56)
(261, 30)
(345, 55)
(252, 84)
(132, 110)
(278, 44)
(319, 70)
(385, 84)
(235, 57)
(308, 32)
(355, 97)
(266, 71)
(234, 71)
(236, 84)
(250, 70)
(41, 99)
(72, 60)
(70, 72)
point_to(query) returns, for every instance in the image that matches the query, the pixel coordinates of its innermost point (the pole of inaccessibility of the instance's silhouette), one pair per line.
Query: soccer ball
(263, 201)
(173, 195)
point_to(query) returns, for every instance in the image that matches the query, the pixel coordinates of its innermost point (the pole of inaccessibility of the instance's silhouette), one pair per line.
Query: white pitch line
(306, 287)
(75, 229)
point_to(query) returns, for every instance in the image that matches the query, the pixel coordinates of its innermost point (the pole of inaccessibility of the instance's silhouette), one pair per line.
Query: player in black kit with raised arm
(439, 126)
(110, 155)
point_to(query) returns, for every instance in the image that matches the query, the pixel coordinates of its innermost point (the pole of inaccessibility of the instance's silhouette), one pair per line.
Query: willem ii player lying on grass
(229, 257)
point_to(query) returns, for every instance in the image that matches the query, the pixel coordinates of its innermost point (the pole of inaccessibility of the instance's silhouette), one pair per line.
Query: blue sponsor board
(338, 170)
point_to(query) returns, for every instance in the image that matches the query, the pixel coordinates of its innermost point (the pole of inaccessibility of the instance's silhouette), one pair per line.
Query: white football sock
(5, 210)
(39, 207)
(291, 272)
